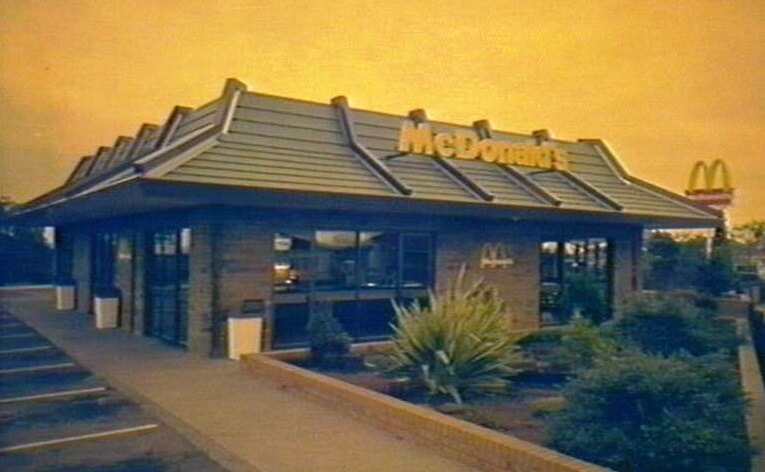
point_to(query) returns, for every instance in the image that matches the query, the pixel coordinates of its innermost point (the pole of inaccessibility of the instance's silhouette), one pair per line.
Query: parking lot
(56, 416)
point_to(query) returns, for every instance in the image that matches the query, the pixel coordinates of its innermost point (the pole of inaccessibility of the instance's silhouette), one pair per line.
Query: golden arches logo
(709, 173)
(495, 256)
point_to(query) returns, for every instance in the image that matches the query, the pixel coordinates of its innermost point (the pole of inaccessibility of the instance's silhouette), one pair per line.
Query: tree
(751, 232)
(24, 255)
(672, 264)
(717, 276)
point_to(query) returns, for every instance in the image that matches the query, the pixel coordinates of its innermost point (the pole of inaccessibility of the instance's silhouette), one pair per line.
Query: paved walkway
(244, 423)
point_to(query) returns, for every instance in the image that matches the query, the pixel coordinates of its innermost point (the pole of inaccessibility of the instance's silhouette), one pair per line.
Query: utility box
(245, 329)
(106, 307)
(65, 297)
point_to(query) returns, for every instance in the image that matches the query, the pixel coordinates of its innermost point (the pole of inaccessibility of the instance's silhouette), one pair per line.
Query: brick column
(124, 277)
(201, 279)
(230, 262)
(245, 270)
(626, 266)
(139, 282)
(64, 253)
(81, 269)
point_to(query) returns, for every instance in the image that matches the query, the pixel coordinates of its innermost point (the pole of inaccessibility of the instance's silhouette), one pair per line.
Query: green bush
(666, 325)
(461, 343)
(640, 413)
(583, 343)
(584, 293)
(328, 340)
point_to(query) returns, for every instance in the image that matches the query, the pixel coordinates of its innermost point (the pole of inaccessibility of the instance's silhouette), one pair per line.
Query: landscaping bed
(655, 390)
(520, 413)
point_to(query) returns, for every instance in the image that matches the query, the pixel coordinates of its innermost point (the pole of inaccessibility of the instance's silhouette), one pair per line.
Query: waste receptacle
(65, 290)
(245, 329)
(106, 307)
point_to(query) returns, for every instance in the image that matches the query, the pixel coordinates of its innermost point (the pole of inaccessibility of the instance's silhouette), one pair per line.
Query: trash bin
(65, 290)
(106, 307)
(245, 329)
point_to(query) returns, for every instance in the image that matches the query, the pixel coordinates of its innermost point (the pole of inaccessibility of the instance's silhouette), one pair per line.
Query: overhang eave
(144, 195)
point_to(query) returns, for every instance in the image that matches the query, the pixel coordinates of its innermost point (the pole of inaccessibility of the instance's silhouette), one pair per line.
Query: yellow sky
(665, 83)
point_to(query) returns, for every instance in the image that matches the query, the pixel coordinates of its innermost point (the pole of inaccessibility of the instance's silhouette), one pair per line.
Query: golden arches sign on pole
(712, 191)
(709, 174)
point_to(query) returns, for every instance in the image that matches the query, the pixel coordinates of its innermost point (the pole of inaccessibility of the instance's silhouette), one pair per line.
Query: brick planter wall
(463, 441)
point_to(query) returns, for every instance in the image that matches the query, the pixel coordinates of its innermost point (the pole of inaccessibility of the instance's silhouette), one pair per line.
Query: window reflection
(575, 279)
(416, 260)
(292, 262)
(355, 273)
(378, 259)
(334, 260)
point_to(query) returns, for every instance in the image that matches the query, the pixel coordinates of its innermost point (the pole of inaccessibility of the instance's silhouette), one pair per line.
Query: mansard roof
(263, 143)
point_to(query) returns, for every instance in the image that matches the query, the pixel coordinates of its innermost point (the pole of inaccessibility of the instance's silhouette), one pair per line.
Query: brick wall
(518, 284)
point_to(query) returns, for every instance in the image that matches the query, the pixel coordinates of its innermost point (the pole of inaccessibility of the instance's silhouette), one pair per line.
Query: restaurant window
(576, 279)
(355, 274)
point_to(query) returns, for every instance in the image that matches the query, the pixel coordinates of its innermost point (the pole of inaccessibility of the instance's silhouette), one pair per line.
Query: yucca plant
(461, 343)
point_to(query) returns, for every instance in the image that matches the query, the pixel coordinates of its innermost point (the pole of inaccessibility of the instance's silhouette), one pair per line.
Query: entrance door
(167, 277)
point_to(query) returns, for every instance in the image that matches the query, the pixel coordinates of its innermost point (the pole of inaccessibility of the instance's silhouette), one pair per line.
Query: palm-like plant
(461, 343)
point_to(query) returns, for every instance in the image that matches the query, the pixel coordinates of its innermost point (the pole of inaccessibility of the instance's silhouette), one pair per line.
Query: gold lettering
(560, 159)
(545, 158)
(416, 139)
(488, 150)
(507, 154)
(521, 157)
(444, 145)
(466, 144)
(533, 153)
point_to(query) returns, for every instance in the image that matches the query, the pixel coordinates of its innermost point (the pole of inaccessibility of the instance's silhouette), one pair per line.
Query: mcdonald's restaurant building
(278, 206)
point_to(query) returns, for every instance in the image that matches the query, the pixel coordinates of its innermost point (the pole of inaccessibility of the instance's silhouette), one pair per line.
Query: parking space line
(27, 349)
(54, 395)
(21, 335)
(20, 370)
(12, 324)
(83, 437)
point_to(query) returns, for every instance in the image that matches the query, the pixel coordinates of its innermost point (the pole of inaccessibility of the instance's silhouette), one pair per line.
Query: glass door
(167, 278)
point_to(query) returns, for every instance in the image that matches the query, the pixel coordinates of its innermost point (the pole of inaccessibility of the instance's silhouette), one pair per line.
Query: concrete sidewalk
(243, 423)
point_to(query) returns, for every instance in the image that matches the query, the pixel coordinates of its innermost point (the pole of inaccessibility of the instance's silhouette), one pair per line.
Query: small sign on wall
(495, 256)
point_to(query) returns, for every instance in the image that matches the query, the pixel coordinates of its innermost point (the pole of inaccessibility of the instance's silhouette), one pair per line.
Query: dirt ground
(517, 413)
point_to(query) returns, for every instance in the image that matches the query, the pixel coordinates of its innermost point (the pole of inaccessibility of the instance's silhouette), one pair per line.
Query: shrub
(639, 413)
(583, 293)
(582, 344)
(461, 343)
(666, 325)
(328, 340)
